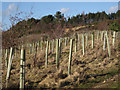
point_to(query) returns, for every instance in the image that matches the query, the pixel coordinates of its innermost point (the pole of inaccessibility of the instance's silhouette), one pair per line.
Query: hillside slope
(92, 70)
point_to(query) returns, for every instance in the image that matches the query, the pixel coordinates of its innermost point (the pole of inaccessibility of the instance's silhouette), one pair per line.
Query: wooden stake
(83, 44)
(46, 62)
(9, 65)
(57, 53)
(108, 45)
(70, 56)
(22, 69)
(6, 57)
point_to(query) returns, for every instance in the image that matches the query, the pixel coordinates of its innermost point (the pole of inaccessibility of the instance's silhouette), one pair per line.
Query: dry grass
(88, 70)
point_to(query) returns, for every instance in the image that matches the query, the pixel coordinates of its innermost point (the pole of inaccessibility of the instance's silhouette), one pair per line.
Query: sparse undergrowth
(92, 70)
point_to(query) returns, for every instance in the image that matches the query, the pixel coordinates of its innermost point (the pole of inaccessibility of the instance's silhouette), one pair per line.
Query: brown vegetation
(92, 70)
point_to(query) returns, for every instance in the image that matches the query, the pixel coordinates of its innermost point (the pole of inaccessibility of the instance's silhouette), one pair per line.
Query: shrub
(115, 27)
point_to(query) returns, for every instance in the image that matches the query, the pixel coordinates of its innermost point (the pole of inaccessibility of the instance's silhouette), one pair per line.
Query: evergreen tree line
(52, 21)
(78, 19)
(54, 25)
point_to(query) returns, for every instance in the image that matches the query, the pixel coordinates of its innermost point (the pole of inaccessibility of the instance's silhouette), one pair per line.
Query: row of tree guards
(51, 45)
